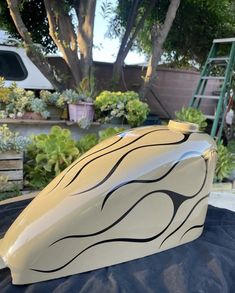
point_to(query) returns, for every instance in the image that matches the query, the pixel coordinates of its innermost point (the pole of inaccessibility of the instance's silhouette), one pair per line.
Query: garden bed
(28, 127)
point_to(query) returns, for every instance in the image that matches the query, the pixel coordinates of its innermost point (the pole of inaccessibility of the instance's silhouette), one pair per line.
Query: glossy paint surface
(135, 194)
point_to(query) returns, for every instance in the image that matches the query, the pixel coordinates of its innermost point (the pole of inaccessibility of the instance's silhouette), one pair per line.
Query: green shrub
(225, 163)
(124, 105)
(108, 132)
(48, 155)
(13, 192)
(231, 146)
(87, 142)
(137, 112)
(192, 115)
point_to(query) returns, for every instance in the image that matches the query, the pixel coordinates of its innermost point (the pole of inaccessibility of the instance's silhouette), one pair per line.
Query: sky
(109, 47)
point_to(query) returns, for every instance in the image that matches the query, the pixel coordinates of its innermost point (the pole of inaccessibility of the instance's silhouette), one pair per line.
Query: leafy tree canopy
(34, 16)
(197, 23)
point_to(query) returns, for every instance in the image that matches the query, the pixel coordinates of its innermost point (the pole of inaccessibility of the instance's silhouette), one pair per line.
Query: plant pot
(80, 111)
(32, 115)
(55, 113)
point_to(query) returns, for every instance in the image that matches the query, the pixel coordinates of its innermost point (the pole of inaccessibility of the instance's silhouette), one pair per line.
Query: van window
(11, 66)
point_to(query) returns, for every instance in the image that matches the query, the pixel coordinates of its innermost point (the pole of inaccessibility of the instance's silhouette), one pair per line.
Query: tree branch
(86, 16)
(127, 44)
(62, 32)
(159, 35)
(32, 51)
(130, 23)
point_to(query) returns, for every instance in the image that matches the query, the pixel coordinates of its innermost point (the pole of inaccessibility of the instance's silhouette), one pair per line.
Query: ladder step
(216, 93)
(207, 97)
(219, 60)
(211, 117)
(213, 77)
(228, 40)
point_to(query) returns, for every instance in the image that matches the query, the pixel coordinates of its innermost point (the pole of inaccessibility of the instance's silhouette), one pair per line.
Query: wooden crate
(11, 166)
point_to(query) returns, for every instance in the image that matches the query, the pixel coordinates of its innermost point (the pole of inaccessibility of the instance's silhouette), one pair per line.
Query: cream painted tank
(140, 192)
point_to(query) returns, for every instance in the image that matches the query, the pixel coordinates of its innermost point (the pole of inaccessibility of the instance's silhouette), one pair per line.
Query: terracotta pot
(32, 115)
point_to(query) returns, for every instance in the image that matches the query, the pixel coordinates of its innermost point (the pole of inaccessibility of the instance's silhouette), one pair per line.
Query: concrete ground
(223, 199)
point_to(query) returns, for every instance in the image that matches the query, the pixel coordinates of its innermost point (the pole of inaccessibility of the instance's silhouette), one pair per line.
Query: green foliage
(13, 192)
(192, 115)
(197, 23)
(39, 106)
(34, 16)
(109, 132)
(11, 141)
(48, 97)
(16, 101)
(48, 155)
(4, 91)
(68, 96)
(86, 89)
(231, 146)
(87, 142)
(125, 105)
(225, 163)
(137, 112)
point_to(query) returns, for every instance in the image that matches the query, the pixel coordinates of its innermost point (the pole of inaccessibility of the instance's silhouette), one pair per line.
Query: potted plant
(20, 103)
(36, 109)
(51, 100)
(12, 146)
(126, 106)
(192, 115)
(80, 102)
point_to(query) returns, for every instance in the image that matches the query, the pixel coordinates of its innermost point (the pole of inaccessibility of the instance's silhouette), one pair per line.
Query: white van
(15, 66)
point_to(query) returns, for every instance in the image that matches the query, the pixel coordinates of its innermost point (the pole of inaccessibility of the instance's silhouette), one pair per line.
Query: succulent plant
(71, 96)
(192, 115)
(225, 163)
(11, 140)
(20, 101)
(49, 98)
(86, 89)
(137, 112)
(37, 105)
(125, 105)
(48, 155)
(3, 114)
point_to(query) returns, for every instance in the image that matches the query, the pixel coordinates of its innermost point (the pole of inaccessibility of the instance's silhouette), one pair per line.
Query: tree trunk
(32, 51)
(86, 16)
(62, 32)
(129, 37)
(159, 35)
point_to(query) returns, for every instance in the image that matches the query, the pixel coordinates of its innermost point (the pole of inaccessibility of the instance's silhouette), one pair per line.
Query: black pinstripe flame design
(176, 198)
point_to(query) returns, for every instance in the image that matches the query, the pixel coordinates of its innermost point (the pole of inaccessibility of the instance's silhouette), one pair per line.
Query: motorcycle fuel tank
(138, 193)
